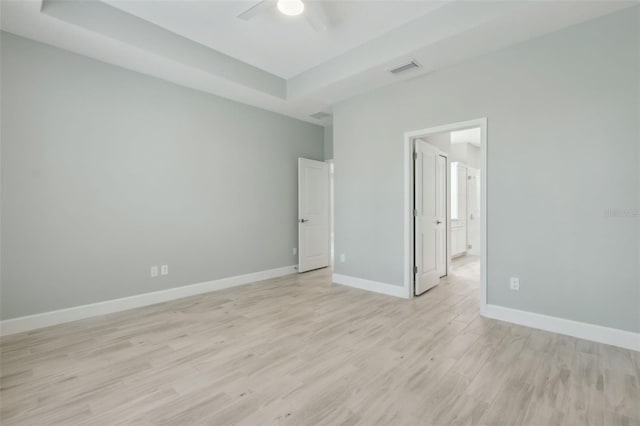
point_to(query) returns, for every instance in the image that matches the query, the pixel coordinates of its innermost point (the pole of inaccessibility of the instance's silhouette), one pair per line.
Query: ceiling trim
(109, 21)
(447, 35)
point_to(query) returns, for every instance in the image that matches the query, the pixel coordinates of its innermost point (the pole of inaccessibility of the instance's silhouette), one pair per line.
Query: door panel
(462, 206)
(459, 208)
(313, 214)
(429, 200)
(441, 214)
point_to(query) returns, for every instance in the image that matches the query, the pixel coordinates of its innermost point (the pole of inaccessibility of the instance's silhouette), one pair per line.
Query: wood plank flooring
(300, 351)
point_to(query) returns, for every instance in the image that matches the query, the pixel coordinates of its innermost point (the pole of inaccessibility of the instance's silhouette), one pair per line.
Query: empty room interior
(319, 212)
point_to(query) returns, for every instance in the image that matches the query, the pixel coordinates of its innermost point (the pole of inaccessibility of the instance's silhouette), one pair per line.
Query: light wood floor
(300, 351)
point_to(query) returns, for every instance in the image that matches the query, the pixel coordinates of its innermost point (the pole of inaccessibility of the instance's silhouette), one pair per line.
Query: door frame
(409, 138)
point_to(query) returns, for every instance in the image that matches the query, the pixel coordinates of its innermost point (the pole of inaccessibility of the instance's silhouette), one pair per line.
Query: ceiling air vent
(404, 67)
(320, 115)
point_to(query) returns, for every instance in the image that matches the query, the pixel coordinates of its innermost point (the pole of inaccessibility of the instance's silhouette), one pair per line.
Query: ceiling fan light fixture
(291, 7)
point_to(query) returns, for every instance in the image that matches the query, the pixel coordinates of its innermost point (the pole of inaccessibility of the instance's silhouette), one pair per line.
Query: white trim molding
(46, 319)
(582, 330)
(375, 286)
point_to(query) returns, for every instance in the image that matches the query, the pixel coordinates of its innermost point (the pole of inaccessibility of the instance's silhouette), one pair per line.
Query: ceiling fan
(314, 11)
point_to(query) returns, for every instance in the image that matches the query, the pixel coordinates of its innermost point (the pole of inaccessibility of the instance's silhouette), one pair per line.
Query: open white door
(430, 216)
(313, 214)
(442, 214)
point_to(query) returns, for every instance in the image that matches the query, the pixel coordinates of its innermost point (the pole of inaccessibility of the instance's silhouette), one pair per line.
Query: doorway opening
(445, 206)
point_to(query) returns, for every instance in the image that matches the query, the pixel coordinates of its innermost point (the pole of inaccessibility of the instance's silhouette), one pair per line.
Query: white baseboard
(31, 322)
(581, 330)
(375, 286)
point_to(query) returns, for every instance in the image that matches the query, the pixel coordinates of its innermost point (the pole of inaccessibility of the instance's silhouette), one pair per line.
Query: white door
(430, 215)
(441, 212)
(473, 212)
(459, 209)
(313, 214)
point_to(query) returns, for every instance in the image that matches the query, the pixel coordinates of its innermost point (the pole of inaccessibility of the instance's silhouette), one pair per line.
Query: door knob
(438, 222)
(304, 220)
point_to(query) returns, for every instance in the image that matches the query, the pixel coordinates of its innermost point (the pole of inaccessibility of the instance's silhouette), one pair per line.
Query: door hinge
(415, 212)
(415, 156)
(415, 270)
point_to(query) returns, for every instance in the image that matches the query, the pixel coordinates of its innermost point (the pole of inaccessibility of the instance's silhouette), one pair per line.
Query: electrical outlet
(295, 251)
(164, 270)
(514, 283)
(154, 271)
(343, 258)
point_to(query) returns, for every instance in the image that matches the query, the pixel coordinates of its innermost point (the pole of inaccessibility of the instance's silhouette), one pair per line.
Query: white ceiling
(279, 44)
(279, 63)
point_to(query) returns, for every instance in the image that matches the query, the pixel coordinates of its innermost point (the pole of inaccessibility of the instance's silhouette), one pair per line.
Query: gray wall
(328, 143)
(564, 138)
(106, 172)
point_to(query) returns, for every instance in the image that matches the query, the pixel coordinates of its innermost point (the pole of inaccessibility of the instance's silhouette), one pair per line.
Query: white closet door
(441, 206)
(458, 209)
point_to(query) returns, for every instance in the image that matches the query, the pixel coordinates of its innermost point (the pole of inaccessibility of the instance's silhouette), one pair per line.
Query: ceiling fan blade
(317, 16)
(257, 9)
